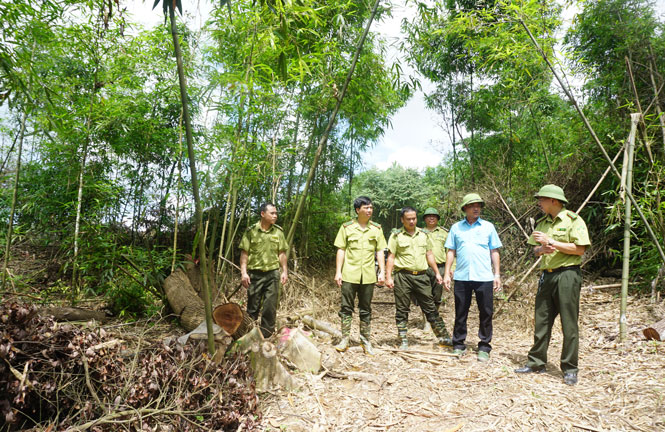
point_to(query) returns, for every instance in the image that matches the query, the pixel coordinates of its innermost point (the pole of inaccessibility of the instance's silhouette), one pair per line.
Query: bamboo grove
(282, 100)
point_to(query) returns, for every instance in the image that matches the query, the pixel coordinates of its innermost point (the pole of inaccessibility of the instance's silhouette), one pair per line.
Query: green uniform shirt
(566, 227)
(359, 245)
(438, 236)
(263, 247)
(410, 250)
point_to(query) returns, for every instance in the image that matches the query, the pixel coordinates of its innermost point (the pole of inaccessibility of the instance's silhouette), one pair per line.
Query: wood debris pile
(58, 377)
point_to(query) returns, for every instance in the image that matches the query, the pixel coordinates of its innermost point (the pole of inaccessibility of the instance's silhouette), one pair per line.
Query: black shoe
(570, 378)
(529, 369)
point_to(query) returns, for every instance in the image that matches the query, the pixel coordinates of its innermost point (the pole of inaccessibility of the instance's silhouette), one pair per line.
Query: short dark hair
(407, 209)
(361, 201)
(265, 206)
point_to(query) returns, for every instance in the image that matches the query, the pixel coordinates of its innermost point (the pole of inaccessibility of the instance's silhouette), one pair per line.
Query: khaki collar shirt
(359, 245)
(263, 247)
(566, 227)
(410, 250)
(438, 236)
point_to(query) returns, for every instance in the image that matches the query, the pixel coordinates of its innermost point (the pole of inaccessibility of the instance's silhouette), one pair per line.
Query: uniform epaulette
(571, 214)
(278, 227)
(376, 224)
(349, 223)
(542, 218)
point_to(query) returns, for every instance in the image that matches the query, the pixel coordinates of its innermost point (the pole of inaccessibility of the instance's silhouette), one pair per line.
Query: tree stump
(656, 331)
(268, 371)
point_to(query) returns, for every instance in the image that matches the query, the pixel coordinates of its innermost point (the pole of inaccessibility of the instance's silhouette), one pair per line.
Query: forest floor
(621, 388)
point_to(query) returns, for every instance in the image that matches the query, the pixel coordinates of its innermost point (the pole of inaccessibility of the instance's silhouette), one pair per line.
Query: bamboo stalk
(634, 120)
(182, 80)
(10, 227)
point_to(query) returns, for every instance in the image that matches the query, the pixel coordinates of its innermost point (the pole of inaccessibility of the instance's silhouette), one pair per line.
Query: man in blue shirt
(475, 244)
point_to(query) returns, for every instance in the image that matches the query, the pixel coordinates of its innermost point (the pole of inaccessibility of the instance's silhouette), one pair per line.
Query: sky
(416, 140)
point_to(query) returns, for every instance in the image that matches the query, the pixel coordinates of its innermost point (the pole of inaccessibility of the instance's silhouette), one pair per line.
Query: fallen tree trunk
(656, 331)
(76, 314)
(323, 326)
(184, 301)
(189, 307)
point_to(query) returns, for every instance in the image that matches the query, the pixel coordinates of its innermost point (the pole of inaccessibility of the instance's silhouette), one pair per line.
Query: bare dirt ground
(621, 388)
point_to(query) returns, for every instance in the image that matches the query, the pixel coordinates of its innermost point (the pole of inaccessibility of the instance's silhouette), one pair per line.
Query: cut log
(76, 314)
(321, 325)
(656, 331)
(232, 318)
(189, 308)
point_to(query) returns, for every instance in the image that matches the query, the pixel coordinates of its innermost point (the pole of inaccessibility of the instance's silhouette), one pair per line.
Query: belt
(261, 271)
(441, 264)
(411, 272)
(560, 269)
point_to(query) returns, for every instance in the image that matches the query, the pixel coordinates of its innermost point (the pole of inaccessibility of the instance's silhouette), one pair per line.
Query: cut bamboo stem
(634, 120)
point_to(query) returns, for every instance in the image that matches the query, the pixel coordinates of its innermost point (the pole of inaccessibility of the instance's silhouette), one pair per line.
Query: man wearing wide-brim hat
(561, 237)
(475, 243)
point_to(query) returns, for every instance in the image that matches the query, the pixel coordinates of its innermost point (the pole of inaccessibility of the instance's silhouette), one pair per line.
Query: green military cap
(470, 199)
(552, 191)
(432, 211)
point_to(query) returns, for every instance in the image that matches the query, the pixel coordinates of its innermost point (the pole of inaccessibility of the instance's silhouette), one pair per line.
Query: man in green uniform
(438, 234)
(410, 253)
(561, 237)
(357, 242)
(262, 252)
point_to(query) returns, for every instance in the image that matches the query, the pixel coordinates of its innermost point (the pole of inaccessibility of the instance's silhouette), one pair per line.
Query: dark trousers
(558, 294)
(485, 299)
(262, 297)
(364, 292)
(437, 288)
(408, 285)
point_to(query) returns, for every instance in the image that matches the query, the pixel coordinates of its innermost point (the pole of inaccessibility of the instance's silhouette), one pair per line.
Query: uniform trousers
(485, 299)
(364, 292)
(418, 286)
(437, 288)
(558, 294)
(263, 297)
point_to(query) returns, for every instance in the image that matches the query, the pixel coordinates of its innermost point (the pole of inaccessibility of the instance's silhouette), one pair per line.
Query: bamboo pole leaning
(579, 209)
(588, 126)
